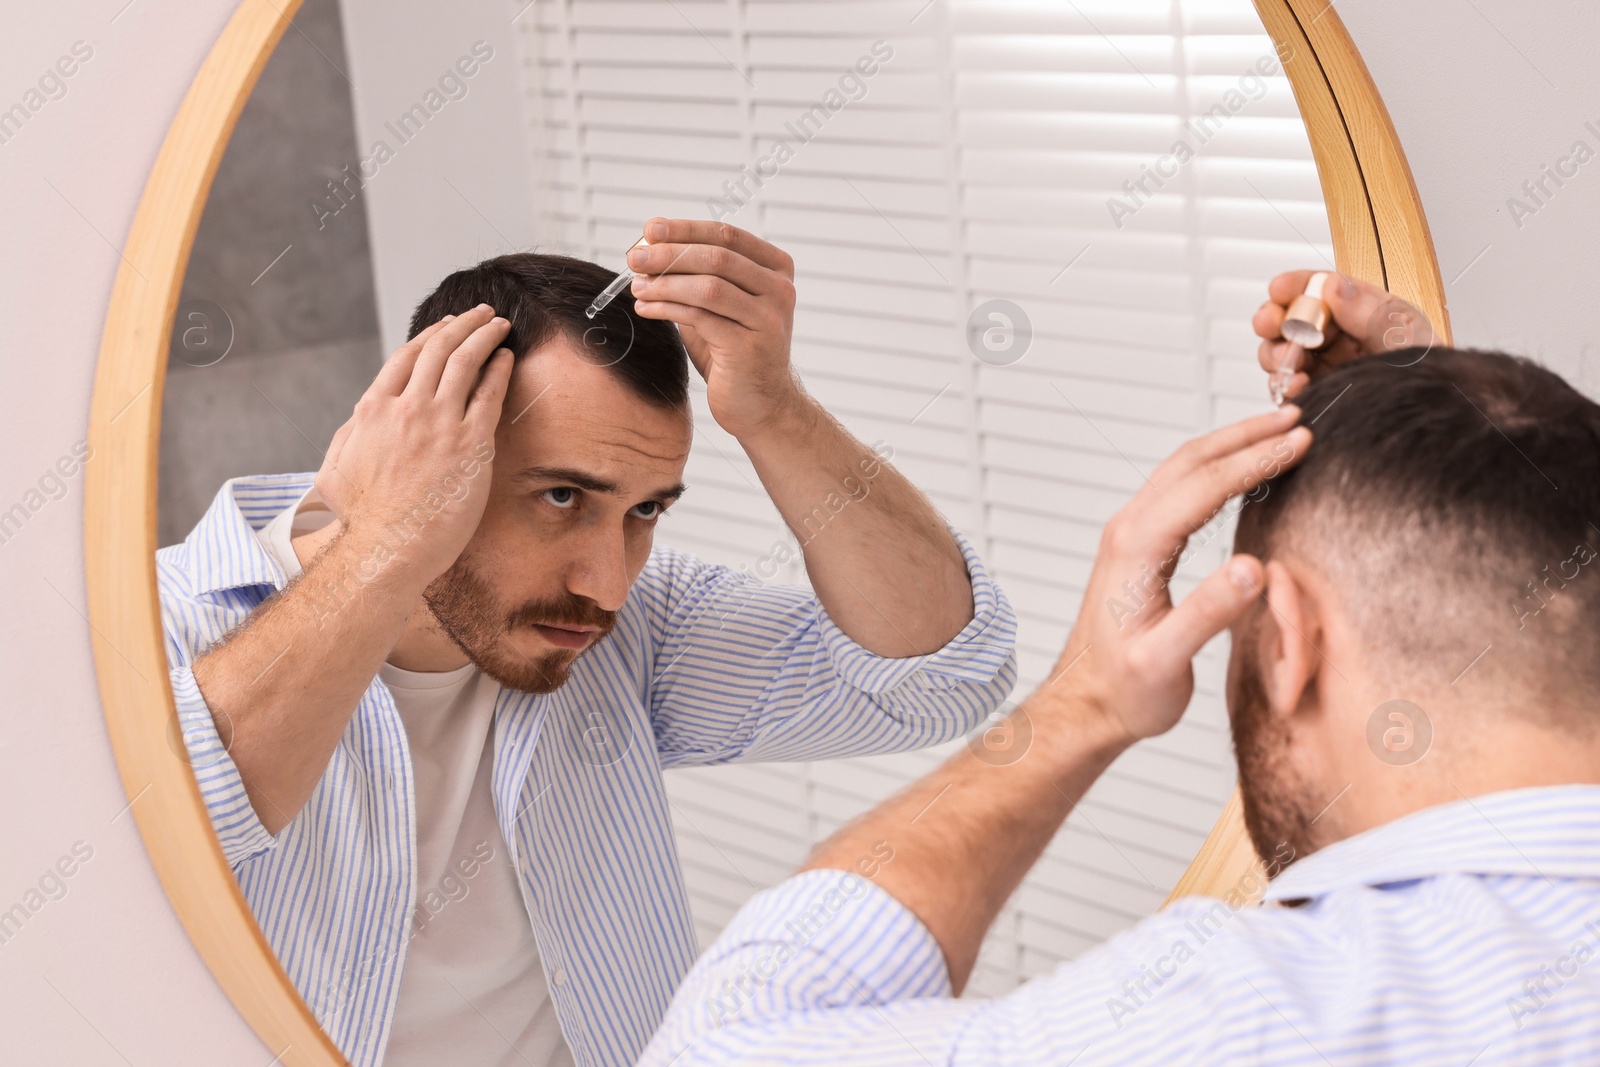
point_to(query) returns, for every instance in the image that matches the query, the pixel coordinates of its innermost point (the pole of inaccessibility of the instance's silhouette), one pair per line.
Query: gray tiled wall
(295, 296)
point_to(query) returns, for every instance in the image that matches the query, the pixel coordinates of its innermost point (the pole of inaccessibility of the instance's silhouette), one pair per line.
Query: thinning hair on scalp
(544, 295)
(1452, 498)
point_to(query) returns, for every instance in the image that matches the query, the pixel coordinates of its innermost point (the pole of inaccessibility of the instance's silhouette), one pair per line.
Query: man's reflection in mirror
(429, 690)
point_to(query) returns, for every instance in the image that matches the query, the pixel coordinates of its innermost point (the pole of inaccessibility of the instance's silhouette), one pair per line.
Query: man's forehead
(568, 406)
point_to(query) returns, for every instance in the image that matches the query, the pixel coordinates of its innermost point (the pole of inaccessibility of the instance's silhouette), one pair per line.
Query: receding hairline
(544, 295)
(655, 397)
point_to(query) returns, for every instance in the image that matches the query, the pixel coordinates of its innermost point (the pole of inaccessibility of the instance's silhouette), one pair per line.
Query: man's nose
(599, 569)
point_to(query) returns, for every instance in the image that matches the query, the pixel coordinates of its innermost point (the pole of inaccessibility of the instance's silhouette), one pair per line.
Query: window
(1127, 174)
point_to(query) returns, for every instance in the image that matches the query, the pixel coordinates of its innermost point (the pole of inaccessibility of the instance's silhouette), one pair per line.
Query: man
(1412, 692)
(429, 693)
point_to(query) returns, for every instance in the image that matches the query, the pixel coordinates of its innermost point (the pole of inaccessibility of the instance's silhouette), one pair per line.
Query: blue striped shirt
(705, 665)
(1464, 935)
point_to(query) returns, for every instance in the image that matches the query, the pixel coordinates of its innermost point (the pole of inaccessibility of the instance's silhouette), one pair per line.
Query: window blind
(1128, 174)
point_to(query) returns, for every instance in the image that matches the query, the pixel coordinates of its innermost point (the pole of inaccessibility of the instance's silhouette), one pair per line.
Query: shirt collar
(1544, 832)
(222, 551)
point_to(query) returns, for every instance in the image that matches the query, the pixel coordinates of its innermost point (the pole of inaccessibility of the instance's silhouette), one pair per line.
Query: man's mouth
(566, 636)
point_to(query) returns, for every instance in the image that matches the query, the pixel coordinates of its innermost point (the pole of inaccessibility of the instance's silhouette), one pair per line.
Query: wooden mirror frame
(1379, 233)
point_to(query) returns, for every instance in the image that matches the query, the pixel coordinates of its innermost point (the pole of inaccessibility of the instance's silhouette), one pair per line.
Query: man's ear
(1289, 658)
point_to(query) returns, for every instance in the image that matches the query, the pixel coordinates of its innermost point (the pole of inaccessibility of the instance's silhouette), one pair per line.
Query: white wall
(458, 190)
(104, 975)
(1484, 95)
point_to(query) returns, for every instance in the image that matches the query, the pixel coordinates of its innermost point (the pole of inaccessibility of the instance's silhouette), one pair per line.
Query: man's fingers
(1267, 353)
(1183, 497)
(430, 362)
(1197, 497)
(718, 331)
(328, 480)
(1288, 285)
(489, 395)
(716, 295)
(668, 259)
(1292, 283)
(1177, 497)
(1296, 384)
(1225, 594)
(1381, 322)
(461, 367)
(1227, 440)
(1353, 305)
(705, 232)
(396, 372)
(1275, 355)
(1377, 320)
(1267, 322)
(340, 436)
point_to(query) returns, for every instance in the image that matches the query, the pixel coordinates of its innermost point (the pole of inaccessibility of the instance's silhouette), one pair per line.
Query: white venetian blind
(978, 162)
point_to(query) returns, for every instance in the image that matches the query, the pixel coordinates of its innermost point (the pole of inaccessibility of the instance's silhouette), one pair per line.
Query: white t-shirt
(473, 990)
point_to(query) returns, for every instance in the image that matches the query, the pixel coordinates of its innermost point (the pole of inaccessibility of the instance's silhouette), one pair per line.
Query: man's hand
(1366, 321)
(732, 296)
(410, 468)
(1136, 647)
(408, 477)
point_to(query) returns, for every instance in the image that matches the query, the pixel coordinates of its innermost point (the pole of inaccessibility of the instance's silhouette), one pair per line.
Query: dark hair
(542, 295)
(1451, 494)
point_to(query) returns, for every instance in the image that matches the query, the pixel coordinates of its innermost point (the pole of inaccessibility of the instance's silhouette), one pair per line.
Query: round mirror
(1026, 243)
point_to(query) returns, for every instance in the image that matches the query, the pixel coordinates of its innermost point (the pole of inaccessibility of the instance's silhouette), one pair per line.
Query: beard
(465, 605)
(1279, 805)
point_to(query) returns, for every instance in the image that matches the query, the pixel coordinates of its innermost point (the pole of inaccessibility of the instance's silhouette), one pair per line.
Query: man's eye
(649, 510)
(561, 498)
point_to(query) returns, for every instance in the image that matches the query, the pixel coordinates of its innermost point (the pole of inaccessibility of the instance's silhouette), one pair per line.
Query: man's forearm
(282, 688)
(965, 835)
(879, 556)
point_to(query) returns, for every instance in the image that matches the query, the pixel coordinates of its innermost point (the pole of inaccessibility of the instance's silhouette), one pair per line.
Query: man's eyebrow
(569, 475)
(584, 480)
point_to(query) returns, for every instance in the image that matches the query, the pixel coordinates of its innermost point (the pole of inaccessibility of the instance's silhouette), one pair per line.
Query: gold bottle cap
(1306, 323)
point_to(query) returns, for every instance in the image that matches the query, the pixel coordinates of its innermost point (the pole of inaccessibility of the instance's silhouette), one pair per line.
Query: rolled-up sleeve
(232, 816)
(751, 671)
(825, 941)
(982, 653)
(192, 623)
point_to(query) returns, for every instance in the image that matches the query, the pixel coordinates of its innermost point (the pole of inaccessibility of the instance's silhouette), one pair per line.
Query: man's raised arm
(881, 559)
(850, 957)
(282, 686)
